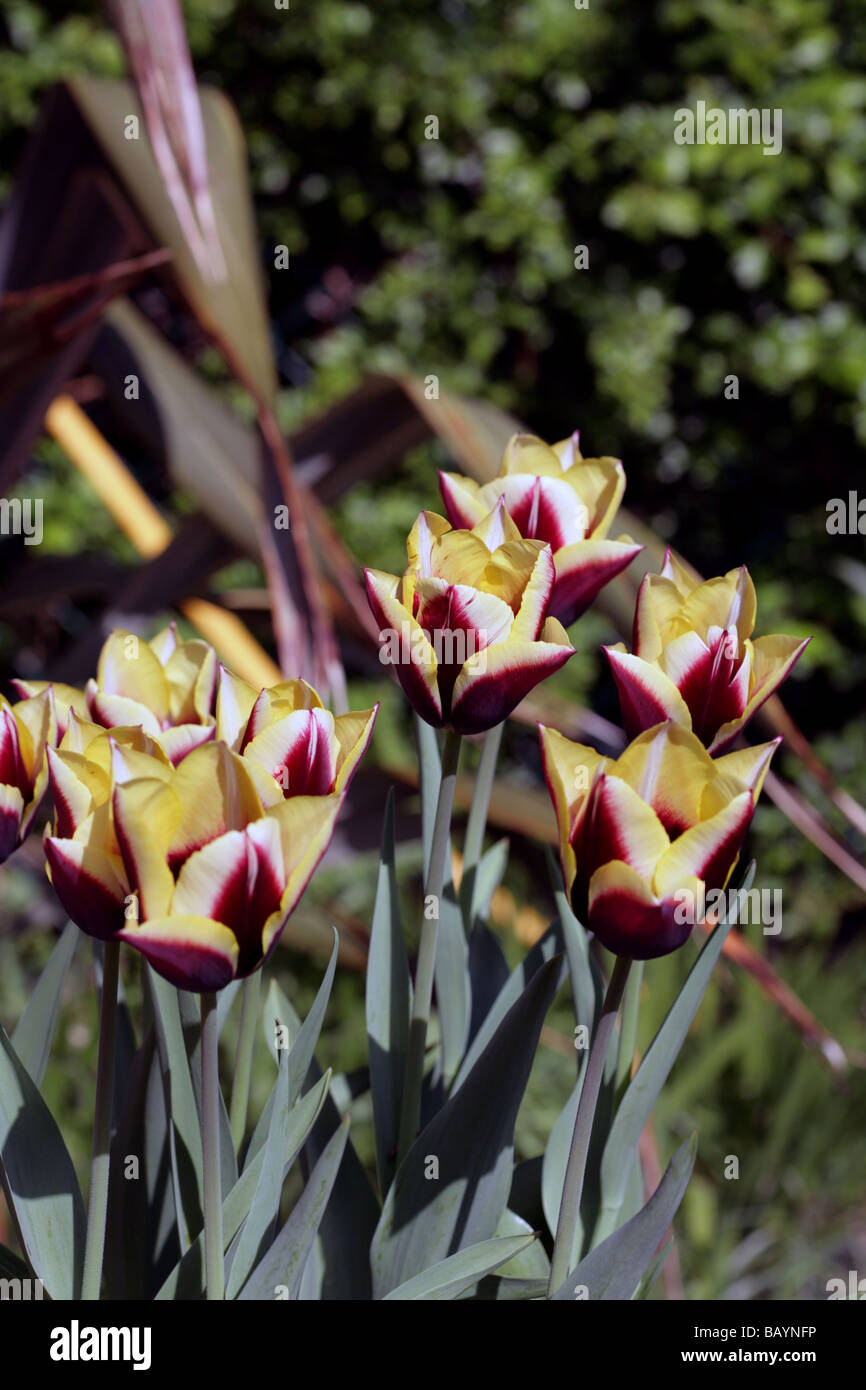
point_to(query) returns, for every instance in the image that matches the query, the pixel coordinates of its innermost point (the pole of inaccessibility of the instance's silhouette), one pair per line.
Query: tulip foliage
(189, 811)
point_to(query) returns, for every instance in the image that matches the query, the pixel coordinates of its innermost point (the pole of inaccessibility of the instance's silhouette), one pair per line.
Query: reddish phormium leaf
(35, 323)
(153, 34)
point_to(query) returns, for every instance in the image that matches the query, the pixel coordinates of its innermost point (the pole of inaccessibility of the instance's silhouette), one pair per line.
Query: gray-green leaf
(39, 1180)
(614, 1269)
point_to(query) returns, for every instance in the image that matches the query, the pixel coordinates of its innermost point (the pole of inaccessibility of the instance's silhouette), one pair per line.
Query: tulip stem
(251, 994)
(97, 1201)
(628, 1030)
(572, 1191)
(410, 1112)
(210, 1140)
(477, 823)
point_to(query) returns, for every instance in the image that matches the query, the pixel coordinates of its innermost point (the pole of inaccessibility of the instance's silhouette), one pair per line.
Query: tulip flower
(27, 728)
(554, 494)
(197, 866)
(660, 825)
(466, 625)
(694, 661)
(165, 687)
(286, 733)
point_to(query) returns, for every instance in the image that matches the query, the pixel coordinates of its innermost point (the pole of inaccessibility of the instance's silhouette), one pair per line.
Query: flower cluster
(517, 558)
(190, 809)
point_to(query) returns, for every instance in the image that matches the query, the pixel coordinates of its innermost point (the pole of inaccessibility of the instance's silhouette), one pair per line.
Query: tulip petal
(726, 601)
(646, 696)
(463, 506)
(544, 509)
(657, 616)
(677, 766)
(127, 667)
(421, 541)
(11, 815)
(353, 732)
(216, 793)
(183, 738)
(235, 701)
(497, 527)
(298, 751)
(601, 484)
(403, 642)
(305, 824)
(568, 451)
(274, 703)
(582, 570)
(570, 770)
(87, 881)
(688, 662)
(191, 673)
(13, 767)
(747, 767)
(38, 718)
(459, 557)
(164, 643)
(774, 658)
(533, 605)
(621, 826)
(237, 880)
(526, 453)
(707, 851)
(66, 697)
(494, 681)
(681, 575)
(509, 570)
(109, 710)
(629, 920)
(190, 952)
(445, 610)
(77, 785)
(147, 813)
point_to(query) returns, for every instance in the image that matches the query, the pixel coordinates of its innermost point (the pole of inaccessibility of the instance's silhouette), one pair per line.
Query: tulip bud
(199, 865)
(285, 734)
(661, 824)
(27, 729)
(694, 661)
(466, 625)
(556, 496)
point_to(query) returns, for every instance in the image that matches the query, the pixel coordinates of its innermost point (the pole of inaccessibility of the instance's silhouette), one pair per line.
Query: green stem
(252, 990)
(477, 823)
(628, 1029)
(572, 1191)
(210, 1141)
(410, 1112)
(97, 1202)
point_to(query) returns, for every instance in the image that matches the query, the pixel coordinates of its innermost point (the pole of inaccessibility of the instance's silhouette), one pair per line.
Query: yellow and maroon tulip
(285, 732)
(555, 495)
(197, 866)
(641, 834)
(694, 660)
(27, 729)
(466, 626)
(81, 850)
(165, 687)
